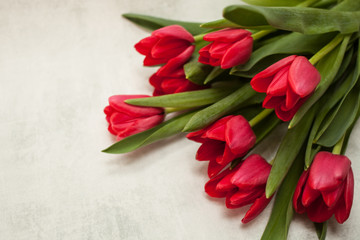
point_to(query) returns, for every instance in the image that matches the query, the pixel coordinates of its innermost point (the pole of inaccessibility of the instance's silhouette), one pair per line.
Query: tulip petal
(214, 168)
(175, 65)
(288, 115)
(309, 195)
(197, 136)
(218, 49)
(303, 76)
(328, 171)
(279, 84)
(204, 60)
(211, 185)
(319, 212)
(145, 45)
(253, 172)
(155, 81)
(255, 209)
(227, 35)
(117, 102)
(244, 197)
(209, 150)
(217, 130)
(238, 135)
(238, 53)
(225, 183)
(173, 31)
(272, 101)
(299, 208)
(228, 199)
(168, 48)
(204, 52)
(343, 208)
(227, 157)
(291, 100)
(150, 61)
(262, 80)
(137, 125)
(331, 198)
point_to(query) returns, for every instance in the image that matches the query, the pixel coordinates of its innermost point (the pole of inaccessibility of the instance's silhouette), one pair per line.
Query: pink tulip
(287, 84)
(229, 47)
(227, 139)
(170, 78)
(164, 44)
(242, 186)
(125, 119)
(326, 189)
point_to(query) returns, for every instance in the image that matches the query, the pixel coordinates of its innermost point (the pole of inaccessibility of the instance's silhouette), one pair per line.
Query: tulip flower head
(242, 186)
(229, 47)
(170, 78)
(287, 84)
(325, 189)
(227, 139)
(164, 44)
(125, 119)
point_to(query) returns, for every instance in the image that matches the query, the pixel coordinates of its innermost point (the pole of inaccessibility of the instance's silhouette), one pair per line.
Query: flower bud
(125, 119)
(287, 84)
(325, 189)
(227, 139)
(164, 44)
(229, 47)
(242, 186)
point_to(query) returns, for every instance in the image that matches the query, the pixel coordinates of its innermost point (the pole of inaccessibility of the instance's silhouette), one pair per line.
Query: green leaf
(197, 72)
(328, 67)
(348, 5)
(300, 44)
(249, 112)
(154, 23)
(185, 99)
(221, 23)
(164, 130)
(273, 3)
(321, 229)
(225, 106)
(216, 72)
(337, 93)
(342, 121)
(287, 152)
(303, 20)
(282, 212)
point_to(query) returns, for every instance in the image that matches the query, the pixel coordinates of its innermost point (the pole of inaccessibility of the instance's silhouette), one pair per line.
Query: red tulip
(125, 119)
(242, 186)
(326, 189)
(229, 47)
(227, 139)
(164, 44)
(287, 83)
(170, 78)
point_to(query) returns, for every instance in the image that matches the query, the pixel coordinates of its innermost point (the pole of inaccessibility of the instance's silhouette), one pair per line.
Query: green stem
(261, 34)
(260, 117)
(325, 50)
(199, 37)
(307, 3)
(338, 146)
(272, 161)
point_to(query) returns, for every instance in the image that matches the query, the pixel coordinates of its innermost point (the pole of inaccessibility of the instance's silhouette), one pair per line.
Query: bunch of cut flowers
(229, 83)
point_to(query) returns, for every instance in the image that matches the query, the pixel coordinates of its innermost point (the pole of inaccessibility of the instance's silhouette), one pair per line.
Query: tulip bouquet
(228, 83)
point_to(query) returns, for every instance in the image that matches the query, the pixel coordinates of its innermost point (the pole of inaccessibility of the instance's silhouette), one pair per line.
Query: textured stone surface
(59, 62)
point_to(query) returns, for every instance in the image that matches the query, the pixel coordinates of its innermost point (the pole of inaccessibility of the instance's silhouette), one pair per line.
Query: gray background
(59, 62)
